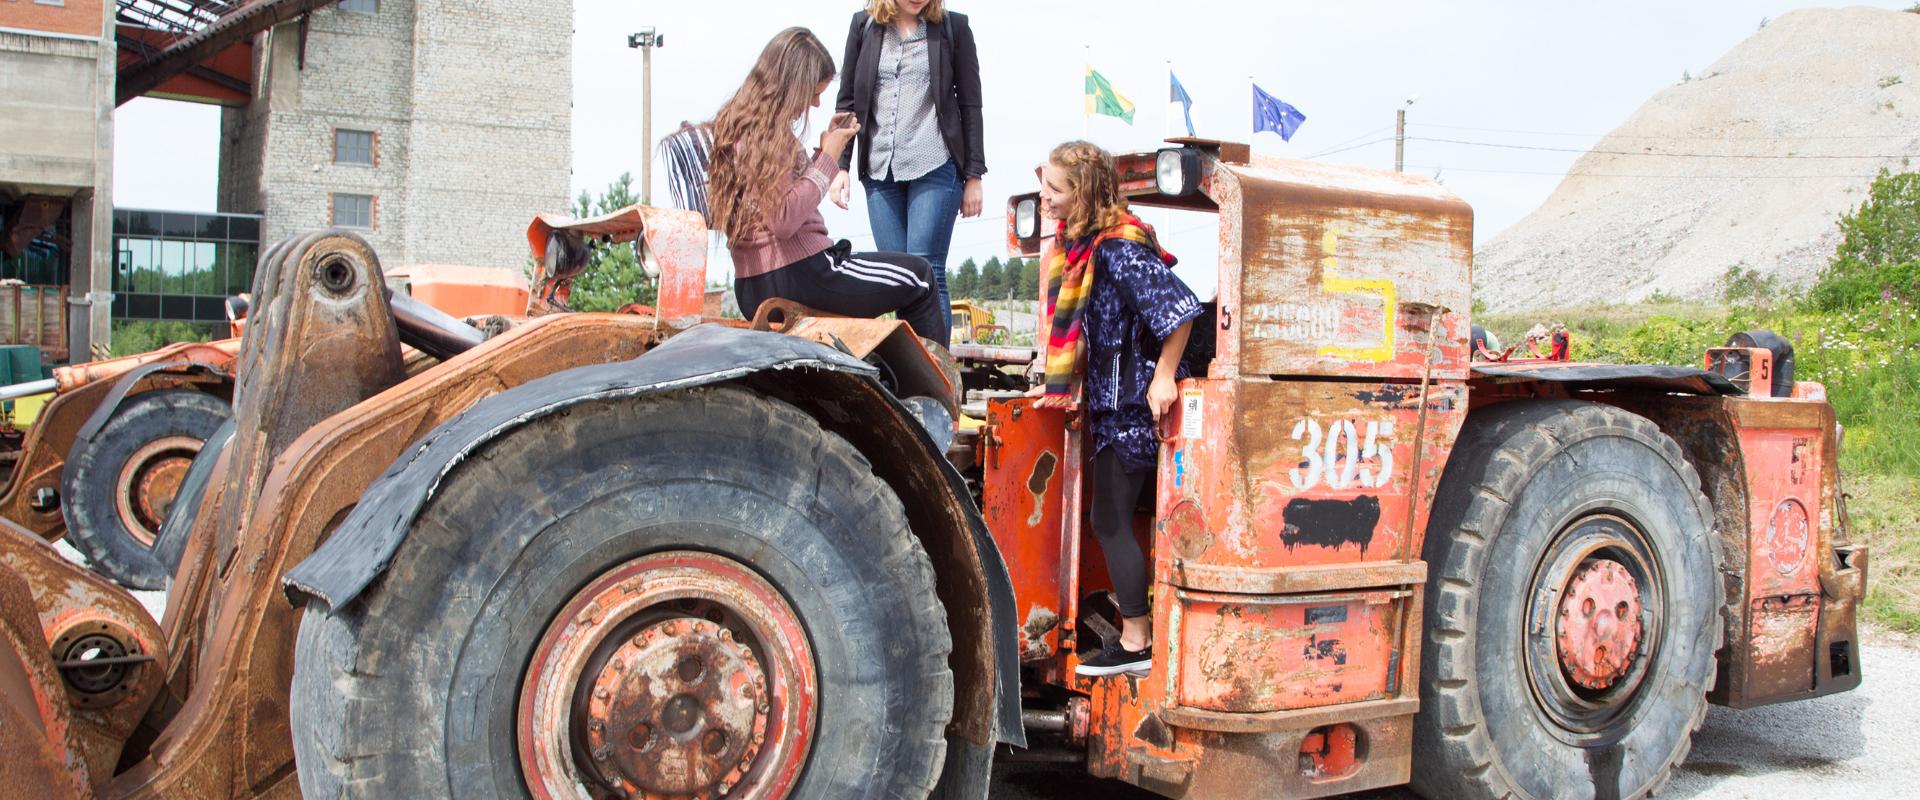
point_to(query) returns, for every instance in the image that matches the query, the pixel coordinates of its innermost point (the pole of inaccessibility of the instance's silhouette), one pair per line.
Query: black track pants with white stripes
(854, 284)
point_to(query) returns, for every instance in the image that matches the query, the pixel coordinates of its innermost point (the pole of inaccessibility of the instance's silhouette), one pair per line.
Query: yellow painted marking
(1333, 283)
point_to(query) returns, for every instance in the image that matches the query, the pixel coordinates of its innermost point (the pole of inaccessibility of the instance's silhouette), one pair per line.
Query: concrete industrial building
(434, 128)
(56, 153)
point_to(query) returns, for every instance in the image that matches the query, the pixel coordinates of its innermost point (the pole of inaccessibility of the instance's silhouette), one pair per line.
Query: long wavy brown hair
(882, 11)
(1093, 184)
(755, 152)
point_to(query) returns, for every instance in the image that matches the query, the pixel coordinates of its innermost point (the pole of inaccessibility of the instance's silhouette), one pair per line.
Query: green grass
(1885, 514)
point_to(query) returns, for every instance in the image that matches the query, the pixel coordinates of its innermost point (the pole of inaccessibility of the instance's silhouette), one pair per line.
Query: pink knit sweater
(794, 233)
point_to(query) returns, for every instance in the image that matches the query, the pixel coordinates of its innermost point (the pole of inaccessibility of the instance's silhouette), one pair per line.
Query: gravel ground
(1851, 746)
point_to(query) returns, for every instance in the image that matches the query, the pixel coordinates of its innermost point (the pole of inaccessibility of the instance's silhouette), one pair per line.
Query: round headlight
(1169, 175)
(1026, 218)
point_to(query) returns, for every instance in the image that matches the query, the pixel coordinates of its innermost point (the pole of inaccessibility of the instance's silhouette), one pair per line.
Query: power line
(1345, 149)
(1374, 132)
(1662, 136)
(1788, 157)
(1630, 175)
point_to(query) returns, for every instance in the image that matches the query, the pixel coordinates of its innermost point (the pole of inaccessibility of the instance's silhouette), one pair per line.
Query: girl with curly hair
(1119, 324)
(764, 193)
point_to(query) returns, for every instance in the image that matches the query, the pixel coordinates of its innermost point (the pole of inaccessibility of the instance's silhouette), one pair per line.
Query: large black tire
(411, 690)
(1531, 487)
(106, 522)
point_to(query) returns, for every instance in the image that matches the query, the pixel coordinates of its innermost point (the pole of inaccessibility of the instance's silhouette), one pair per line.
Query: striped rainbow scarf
(1069, 284)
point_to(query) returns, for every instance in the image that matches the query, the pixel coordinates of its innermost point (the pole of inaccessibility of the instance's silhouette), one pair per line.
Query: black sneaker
(1113, 660)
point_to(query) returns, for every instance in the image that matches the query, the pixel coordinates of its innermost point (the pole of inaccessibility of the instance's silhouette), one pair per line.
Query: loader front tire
(118, 486)
(1572, 608)
(694, 594)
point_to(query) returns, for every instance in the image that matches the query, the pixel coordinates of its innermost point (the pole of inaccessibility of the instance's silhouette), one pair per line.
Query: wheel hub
(1598, 624)
(677, 674)
(148, 482)
(678, 709)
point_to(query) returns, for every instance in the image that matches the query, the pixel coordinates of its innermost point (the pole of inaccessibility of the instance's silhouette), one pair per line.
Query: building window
(360, 6)
(353, 210)
(353, 147)
(51, 2)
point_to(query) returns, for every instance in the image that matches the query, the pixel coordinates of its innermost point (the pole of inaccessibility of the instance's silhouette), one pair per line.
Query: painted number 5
(1339, 457)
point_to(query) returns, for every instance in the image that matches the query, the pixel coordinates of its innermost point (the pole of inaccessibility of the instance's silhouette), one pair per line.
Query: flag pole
(1253, 119)
(1086, 68)
(1166, 108)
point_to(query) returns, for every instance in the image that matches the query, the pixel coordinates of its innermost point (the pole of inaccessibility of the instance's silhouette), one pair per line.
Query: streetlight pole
(1400, 135)
(646, 39)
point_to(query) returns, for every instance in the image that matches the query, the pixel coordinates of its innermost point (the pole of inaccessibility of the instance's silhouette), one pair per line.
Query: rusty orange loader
(660, 555)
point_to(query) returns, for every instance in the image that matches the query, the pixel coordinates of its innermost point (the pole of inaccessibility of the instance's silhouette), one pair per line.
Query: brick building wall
(470, 105)
(73, 17)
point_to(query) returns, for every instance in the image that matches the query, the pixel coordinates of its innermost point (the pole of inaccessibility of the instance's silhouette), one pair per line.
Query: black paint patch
(1406, 397)
(1319, 649)
(1322, 615)
(1330, 523)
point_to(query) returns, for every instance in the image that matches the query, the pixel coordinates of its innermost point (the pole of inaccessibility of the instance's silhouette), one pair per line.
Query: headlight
(1176, 171)
(1026, 218)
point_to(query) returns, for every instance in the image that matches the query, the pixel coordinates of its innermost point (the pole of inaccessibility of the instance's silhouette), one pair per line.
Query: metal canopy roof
(196, 30)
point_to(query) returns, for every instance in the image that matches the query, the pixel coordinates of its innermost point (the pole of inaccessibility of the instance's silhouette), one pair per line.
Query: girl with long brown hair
(1119, 325)
(764, 193)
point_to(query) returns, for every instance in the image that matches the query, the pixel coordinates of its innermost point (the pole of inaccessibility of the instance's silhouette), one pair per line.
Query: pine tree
(965, 281)
(993, 280)
(1030, 279)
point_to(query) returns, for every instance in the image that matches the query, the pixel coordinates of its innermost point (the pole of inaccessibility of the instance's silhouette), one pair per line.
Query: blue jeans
(917, 217)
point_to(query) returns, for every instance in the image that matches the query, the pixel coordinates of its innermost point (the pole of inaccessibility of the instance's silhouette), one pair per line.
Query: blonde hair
(1093, 184)
(882, 11)
(755, 153)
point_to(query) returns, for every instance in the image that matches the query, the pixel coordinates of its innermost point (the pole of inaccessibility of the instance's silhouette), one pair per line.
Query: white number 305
(1341, 457)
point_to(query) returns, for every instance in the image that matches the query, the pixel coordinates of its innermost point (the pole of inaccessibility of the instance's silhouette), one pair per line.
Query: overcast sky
(1533, 73)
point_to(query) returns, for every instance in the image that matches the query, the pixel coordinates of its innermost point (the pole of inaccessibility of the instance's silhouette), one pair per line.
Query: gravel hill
(1628, 222)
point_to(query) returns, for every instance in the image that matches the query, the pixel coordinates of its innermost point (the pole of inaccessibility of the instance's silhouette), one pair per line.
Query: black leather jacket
(956, 78)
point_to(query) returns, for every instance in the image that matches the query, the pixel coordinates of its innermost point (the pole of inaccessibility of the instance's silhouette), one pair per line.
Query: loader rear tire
(749, 565)
(1563, 529)
(118, 486)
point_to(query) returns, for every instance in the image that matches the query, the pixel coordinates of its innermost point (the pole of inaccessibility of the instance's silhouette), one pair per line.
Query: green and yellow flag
(1102, 99)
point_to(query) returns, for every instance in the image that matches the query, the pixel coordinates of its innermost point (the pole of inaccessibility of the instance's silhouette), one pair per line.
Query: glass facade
(171, 265)
(45, 260)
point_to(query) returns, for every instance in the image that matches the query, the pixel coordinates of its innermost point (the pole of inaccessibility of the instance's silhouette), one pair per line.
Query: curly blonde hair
(1093, 183)
(755, 153)
(882, 11)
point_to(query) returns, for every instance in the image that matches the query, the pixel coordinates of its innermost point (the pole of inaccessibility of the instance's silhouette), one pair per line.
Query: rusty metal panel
(1784, 447)
(1021, 493)
(1257, 653)
(1288, 474)
(1350, 272)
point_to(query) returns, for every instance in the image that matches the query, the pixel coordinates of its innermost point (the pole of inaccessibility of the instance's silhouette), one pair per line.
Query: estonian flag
(1178, 94)
(1272, 114)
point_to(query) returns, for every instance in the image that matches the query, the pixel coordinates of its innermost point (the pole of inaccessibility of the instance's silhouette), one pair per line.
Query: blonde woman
(764, 193)
(912, 79)
(1119, 325)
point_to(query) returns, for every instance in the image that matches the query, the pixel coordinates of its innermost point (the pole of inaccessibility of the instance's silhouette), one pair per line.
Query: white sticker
(1192, 415)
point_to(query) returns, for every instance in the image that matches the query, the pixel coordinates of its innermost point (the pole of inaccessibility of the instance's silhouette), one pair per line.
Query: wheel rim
(149, 480)
(1593, 623)
(677, 674)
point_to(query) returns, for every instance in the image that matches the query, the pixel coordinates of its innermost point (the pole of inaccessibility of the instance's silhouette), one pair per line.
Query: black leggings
(1115, 494)
(855, 284)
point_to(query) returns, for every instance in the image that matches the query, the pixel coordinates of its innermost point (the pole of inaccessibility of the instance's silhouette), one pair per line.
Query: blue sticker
(1179, 467)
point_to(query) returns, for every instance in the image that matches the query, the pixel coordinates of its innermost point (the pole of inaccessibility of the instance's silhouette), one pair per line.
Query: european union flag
(1272, 114)
(1178, 94)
